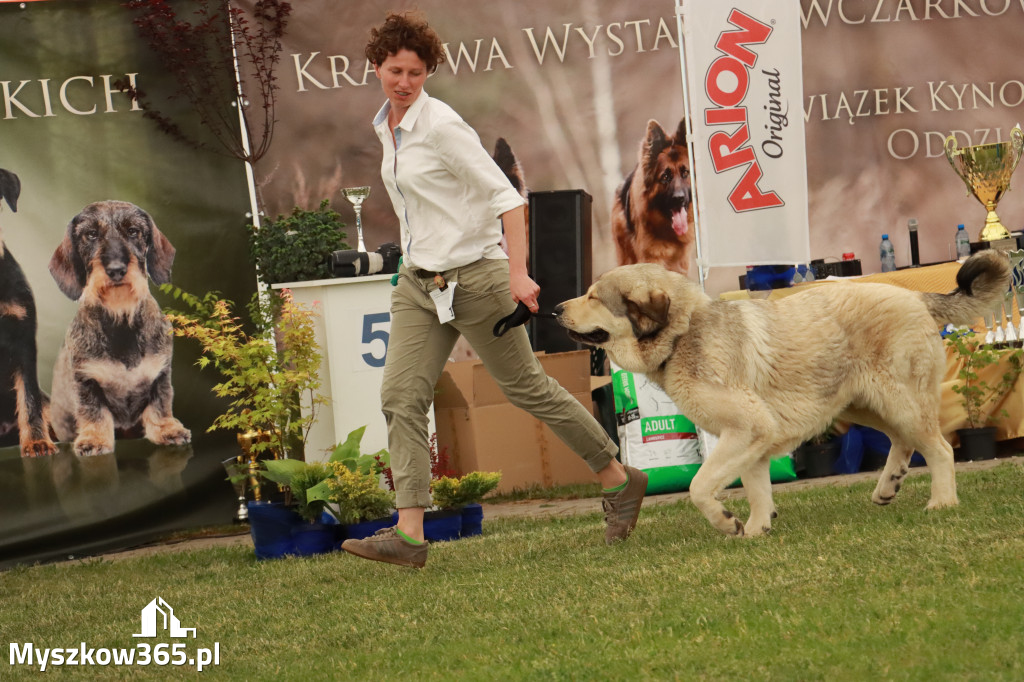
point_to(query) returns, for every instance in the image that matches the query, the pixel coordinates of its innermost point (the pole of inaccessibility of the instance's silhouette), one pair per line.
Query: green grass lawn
(842, 590)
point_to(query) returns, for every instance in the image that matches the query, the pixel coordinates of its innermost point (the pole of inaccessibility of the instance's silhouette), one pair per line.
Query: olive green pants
(419, 347)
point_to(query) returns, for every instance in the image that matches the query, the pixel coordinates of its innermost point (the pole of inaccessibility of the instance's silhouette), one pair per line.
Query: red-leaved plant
(201, 57)
(439, 464)
(385, 469)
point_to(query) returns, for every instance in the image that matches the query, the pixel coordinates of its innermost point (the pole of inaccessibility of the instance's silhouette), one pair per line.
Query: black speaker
(559, 259)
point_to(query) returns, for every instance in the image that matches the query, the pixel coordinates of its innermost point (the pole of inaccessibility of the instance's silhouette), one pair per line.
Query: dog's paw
(172, 435)
(731, 525)
(88, 447)
(888, 486)
(41, 447)
(754, 528)
(169, 432)
(881, 499)
(942, 503)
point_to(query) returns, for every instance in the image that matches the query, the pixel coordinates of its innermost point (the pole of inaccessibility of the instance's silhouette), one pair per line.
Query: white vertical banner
(743, 76)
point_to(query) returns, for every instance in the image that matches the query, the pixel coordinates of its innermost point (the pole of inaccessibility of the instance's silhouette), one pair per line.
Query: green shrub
(451, 493)
(295, 248)
(975, 393)
(358, 495)
(265, 381)
(302, 481)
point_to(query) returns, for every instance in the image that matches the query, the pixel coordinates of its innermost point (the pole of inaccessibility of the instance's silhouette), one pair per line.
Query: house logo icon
(158, 614)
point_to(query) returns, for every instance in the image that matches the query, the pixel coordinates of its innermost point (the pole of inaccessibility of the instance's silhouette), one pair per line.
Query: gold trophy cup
(986, 170)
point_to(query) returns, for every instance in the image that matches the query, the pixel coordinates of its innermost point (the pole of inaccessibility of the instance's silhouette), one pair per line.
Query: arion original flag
(744, 79)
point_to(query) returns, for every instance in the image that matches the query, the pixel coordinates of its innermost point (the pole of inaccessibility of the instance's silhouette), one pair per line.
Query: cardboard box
(484, 432)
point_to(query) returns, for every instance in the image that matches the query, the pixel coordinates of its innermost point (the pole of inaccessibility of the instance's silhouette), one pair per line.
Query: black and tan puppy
(113, 373)
(23, 406)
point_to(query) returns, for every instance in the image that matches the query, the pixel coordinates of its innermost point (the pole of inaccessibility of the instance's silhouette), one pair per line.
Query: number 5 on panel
(370, 335)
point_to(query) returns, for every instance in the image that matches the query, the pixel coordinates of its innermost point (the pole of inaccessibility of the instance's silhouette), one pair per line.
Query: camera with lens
(351, 263)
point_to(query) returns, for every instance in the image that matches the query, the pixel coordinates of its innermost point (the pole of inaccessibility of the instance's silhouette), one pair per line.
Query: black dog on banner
(24, 408)
(113, 373)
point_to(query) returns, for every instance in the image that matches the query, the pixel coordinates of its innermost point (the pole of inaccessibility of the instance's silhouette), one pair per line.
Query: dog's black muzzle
(115, 259)
(681, 200)
(592, 338)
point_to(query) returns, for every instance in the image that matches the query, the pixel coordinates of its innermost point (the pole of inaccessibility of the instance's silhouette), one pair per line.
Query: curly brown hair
(405, 31)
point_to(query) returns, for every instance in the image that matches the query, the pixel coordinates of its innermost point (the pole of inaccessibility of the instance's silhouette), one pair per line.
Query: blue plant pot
(364, 529)
(313, 538)
(472, 520)
(270, 524)
(442, 525)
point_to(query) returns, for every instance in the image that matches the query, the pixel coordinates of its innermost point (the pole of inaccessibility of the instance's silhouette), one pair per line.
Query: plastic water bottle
(888, 254)
(963, 242)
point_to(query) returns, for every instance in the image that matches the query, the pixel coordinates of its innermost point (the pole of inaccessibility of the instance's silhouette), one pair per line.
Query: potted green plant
(294, 248)
(464, 494)
(313, 523)
(299, 477)
(268, 375)
(348, 452)
(360, 504)
(816, 456)
(316, 535)
(353, 492)
(977, 439)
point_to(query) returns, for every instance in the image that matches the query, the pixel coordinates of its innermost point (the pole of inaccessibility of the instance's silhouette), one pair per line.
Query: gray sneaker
(622, 508)
(388, 546)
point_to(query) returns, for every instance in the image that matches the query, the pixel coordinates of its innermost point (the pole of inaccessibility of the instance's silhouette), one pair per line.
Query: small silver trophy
(355, 196)
(237, 474)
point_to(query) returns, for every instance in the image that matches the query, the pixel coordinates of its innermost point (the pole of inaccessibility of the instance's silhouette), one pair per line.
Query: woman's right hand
(524, 289)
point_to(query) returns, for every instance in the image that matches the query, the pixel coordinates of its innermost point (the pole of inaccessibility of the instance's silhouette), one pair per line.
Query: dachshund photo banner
(104, 418)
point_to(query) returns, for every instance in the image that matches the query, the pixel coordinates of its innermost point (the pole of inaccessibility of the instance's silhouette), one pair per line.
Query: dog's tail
(980, 282)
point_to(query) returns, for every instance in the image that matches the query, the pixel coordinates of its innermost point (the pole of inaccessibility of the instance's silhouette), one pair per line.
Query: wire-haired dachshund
(113, 373)
(23, 406)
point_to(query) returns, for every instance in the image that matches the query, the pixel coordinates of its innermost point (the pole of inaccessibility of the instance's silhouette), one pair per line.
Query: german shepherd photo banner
(743, 74)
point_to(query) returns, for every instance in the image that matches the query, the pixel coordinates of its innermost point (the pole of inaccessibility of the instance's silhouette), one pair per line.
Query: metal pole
(701, 270)
(243, 129)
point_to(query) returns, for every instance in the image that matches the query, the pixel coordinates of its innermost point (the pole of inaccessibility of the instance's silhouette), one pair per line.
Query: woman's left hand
(524, 289)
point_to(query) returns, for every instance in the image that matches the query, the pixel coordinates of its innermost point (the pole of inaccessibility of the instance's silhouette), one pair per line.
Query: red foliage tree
(220, 48)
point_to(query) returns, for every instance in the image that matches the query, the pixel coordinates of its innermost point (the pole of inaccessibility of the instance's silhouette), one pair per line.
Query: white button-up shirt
(448, 193)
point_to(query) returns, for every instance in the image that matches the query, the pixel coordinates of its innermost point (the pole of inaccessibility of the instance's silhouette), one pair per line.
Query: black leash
(521, 315)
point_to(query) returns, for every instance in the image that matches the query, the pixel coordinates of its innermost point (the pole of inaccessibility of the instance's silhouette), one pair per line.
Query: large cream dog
(766, 375)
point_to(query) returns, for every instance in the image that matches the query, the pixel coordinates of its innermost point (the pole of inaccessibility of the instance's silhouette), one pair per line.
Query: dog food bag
(780, 469)
(653, 435)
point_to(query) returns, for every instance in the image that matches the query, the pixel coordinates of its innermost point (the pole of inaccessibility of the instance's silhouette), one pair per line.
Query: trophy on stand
(986, 170)
(238, 473)
(356, 195)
